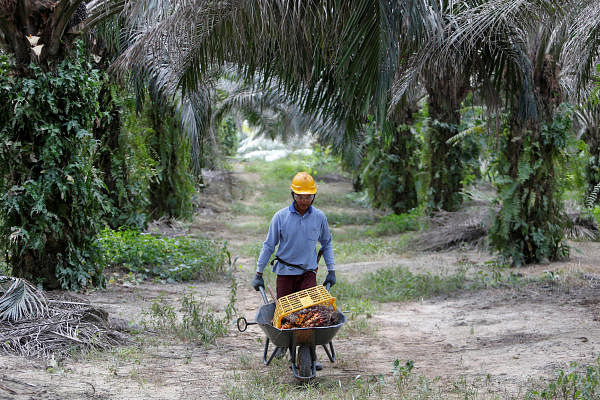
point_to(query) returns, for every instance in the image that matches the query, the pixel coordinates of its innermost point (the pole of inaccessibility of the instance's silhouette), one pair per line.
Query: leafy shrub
(572, 384)
(322, 161)
(5, 269)
(595, 213)
(227, 136)
(172, 188)
(172, 259)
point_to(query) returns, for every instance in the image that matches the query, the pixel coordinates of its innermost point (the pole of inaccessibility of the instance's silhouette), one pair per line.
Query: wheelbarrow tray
(313, 336)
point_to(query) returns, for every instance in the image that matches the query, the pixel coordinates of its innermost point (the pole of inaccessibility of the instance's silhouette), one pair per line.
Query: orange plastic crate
(303, 299)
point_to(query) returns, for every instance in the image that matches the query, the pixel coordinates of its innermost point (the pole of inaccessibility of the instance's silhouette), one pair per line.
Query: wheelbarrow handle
(263, 294)
(328, 286)
(242, 324)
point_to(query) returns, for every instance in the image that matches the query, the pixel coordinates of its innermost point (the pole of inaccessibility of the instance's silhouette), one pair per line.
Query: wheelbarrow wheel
(304, 361)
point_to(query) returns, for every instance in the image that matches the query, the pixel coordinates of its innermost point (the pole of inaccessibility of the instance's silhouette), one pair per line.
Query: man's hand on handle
(258, 281)
(329, 279)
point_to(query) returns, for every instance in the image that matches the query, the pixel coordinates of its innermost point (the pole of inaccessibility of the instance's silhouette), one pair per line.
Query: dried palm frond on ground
(471, 225)
(64, 325)
(19, 299)
(582, 227)
(310, 317)
(451, 229)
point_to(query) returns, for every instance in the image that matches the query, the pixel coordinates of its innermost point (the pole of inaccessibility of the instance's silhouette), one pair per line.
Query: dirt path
(500, 339)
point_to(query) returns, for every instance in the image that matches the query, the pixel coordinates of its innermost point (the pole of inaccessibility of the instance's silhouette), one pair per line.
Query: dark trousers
(288, 284)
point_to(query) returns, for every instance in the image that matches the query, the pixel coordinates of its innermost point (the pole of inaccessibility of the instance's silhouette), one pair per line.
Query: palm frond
(68, 323)
(195, 112)
(273, 112)
(587, 118)
(333, 57)
(20, 300)
(582, 50)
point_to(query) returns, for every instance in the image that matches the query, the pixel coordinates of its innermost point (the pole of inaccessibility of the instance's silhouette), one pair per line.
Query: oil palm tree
(390, 158)
(515, 50)
(52, 202)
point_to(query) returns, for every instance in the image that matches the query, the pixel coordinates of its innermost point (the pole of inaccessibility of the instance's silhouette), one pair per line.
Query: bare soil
(506, 338)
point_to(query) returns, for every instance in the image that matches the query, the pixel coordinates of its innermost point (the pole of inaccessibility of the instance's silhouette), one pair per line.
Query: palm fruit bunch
(310, 317)
(78, 16)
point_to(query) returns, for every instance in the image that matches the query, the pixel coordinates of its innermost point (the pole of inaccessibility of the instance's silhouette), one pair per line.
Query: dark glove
(330, 279)
(258, 281)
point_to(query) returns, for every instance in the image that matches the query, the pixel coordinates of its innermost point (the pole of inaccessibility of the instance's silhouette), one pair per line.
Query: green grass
(336, 218)
(348, 200)
(348, 250)
(400, 284)
(265, 207)
(401, 382)
(252, 227)
(398, 223)
(280, 170)
(358, 313)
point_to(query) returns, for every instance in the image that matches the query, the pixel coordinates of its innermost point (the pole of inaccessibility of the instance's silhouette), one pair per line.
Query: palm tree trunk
(446, 91)
(592, 169)
(172, 189)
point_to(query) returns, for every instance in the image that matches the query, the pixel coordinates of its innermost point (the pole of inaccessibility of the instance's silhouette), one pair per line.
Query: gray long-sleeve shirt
(297, 236)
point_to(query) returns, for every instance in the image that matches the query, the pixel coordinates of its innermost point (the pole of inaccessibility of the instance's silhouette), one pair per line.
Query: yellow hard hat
(303, 183)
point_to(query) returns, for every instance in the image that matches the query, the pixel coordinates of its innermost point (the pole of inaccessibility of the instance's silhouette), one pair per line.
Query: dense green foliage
(228, 136)
(446, 171)
(172, 187)
(531, 223)
(389, 166)
(52, 196)
(170, 259)
(123, 158)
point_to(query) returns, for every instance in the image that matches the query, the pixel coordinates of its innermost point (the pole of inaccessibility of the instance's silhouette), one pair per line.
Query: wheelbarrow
(301, 342)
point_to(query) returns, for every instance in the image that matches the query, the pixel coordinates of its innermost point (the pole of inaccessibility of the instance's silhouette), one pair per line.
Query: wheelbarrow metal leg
(330, 352)
(266, 351)
(292, 349)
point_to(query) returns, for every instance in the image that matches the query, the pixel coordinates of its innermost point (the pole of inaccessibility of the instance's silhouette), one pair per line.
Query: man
(297, 229)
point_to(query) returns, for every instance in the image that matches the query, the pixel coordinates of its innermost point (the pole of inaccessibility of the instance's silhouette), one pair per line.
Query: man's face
(303, 201)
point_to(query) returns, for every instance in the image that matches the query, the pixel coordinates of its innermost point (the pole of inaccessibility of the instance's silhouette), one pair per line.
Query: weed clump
(194, 321)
